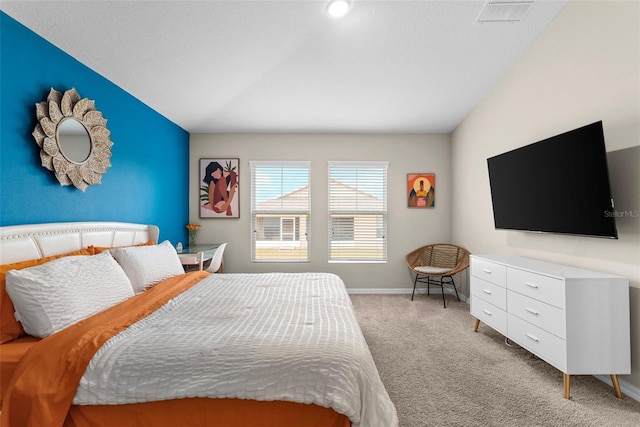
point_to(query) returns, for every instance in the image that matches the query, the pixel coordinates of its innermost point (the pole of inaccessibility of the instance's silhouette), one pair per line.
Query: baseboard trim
(628, 389)
(386, 291)
(402, 291)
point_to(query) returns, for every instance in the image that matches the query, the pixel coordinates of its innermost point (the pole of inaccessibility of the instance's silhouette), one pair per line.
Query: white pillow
(147, 265)
(54, 295)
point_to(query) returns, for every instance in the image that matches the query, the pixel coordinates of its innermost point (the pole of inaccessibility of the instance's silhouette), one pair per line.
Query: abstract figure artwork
(421, 190)
(219, 196)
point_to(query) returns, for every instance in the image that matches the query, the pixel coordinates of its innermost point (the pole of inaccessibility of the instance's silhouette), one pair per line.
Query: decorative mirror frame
(50, 114)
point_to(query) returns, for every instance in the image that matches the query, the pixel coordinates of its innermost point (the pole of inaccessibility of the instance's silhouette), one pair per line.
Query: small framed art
(218, 184)
(421, 190)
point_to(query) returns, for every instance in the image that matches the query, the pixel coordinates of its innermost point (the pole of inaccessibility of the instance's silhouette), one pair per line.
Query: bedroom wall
(585, 67)
(148, 180)
(408, 228)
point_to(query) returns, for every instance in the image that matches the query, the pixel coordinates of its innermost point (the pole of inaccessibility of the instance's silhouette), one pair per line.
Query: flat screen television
(557, 185)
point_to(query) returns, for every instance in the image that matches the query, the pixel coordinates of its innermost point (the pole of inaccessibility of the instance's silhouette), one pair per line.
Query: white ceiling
(286, 66)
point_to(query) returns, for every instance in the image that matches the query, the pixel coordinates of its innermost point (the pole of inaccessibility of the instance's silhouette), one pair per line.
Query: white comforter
(275, 336)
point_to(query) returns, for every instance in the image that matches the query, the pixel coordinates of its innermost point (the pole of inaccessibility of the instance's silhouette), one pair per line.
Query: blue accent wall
(148, 179)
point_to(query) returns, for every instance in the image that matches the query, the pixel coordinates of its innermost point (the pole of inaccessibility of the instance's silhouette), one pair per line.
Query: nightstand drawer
(545, 316)
(537, 286)
(489, 271)
(489, 314)
(538, 341)
(489, 292)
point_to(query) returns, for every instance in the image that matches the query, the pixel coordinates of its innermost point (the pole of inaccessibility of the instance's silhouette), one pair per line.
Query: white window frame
(282, 251)
(356, 199)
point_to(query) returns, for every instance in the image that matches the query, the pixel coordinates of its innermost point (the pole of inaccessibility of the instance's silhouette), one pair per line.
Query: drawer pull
(487, 312)
(486, 291)
(531, 285)
(532, 337)
(532, 311)
(486, 270)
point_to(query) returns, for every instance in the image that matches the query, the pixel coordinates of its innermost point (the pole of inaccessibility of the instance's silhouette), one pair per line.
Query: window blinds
(358, 211)
(280, 210)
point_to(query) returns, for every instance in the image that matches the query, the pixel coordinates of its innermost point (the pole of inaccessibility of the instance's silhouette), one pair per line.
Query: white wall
(407, 228)
(585, 67)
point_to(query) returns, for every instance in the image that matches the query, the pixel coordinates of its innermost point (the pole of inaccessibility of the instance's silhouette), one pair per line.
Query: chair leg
(414, 287)
(444, 302)
(454, 288)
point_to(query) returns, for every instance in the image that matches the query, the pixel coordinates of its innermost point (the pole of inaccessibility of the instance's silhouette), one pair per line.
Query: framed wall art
(421, 190)
(218, 184)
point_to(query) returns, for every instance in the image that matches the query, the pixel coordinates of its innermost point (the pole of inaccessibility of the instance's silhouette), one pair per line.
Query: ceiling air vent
(505, 10)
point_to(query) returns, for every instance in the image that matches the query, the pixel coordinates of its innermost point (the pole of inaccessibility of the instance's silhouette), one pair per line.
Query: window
(288, 229)
(343, 227)
(358, 211)
(280, 207)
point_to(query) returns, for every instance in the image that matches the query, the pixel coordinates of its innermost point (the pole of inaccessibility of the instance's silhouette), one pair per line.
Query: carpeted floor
(438, 372)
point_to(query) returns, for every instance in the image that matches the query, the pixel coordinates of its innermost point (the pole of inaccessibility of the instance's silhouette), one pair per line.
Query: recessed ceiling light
(338, 8)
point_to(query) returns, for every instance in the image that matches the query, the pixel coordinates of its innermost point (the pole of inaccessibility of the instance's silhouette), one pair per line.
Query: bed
(194, 349)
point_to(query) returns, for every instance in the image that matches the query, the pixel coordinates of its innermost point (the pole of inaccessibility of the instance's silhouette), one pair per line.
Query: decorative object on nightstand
(193, 230)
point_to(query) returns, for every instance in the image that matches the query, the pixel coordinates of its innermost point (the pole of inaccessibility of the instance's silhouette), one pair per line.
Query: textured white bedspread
(275, 336)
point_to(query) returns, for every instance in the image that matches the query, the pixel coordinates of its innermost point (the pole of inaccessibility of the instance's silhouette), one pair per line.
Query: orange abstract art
(421, 190)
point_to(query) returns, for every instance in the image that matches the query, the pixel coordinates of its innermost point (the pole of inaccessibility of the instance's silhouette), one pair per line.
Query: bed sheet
(202, 412)
(10, 355)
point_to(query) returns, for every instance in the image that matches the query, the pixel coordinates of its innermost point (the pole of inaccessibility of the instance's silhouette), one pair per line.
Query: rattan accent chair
(436, 265)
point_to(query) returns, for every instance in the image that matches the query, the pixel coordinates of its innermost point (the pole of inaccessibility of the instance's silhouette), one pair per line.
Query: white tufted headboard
(31, 241)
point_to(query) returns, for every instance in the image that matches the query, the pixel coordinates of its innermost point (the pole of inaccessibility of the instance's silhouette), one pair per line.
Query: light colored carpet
(438, 372)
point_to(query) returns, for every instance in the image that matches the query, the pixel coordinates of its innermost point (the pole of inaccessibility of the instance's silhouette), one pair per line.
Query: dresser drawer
(489, 271)
(489, 314)
(489, 292)
(538, 313)
(536, 286)
(543, 344)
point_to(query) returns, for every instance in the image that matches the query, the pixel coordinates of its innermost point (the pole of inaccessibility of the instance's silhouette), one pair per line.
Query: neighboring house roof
(349, 199)
(296, 200)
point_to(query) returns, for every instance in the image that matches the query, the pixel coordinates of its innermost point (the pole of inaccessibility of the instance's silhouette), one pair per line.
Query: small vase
(192, 240)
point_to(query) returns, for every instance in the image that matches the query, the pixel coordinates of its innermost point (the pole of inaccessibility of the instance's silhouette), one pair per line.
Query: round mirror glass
(74, 140)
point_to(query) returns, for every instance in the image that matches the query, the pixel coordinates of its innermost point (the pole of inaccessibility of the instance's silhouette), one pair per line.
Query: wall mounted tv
(557, 185)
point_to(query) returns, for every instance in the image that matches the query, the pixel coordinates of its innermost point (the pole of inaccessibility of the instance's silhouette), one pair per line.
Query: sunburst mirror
(73, 138)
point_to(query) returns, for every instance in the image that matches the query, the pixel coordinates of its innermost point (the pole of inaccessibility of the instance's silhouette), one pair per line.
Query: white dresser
(574, 319)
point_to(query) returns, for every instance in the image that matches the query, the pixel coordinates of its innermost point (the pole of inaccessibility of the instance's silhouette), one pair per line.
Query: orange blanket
(45, 382)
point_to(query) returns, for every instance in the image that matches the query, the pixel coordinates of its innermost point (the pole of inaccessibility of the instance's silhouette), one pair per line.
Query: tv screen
(557, 185)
